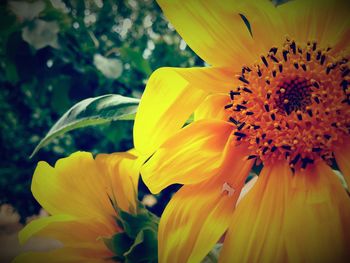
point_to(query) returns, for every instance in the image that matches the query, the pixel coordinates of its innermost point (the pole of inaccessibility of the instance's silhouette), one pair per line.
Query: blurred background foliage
(59, 52)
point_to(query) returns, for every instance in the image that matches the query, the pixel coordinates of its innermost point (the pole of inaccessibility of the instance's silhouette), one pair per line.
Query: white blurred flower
(25, 10)
(41, 34)
(110, 67)
(58, 4)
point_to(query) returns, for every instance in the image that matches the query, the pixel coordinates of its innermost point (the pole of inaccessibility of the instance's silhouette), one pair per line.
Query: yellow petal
(123, 173)
(170, 97)
(317, 218)
(198, 215)
(254, 233)
(216, 31)
(284, 218)
(37, 225)
(83, 233)
(76, 186)
(213, 107)
(63, 255)
(342, 156)
(192, 155)
(326, 21)
(342, 45)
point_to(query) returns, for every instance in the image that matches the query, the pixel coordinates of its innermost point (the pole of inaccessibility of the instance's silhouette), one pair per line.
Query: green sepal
(138, 241)
(144, 249)
(120, 243)
(134, 223)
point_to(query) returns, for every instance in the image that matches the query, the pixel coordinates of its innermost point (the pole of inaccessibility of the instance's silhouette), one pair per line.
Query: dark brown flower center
(293, 105)
(294, 95)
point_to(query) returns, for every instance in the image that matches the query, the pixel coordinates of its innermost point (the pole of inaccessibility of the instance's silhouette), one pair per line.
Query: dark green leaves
(92, 111)
(133, 224)
(139, 241)
(145, 247)
(120, 244)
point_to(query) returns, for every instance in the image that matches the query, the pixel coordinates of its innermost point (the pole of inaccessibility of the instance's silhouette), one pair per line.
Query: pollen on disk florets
(294, 104)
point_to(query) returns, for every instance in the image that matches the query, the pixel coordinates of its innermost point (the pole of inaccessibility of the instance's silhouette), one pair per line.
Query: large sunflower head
(93, 210)
(293, 105)
(276, 93)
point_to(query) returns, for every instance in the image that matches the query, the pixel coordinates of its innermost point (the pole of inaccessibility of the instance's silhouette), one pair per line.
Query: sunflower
(276, 96)
(80, 193)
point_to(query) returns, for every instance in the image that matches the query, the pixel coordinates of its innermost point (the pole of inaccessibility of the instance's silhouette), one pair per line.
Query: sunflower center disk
(294, 95)
(293, 105)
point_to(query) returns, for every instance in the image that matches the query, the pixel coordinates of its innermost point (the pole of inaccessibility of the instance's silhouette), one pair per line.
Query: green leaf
(120, 243)
(92, 111)
(138, 243)
(145, 247)
(134, 223)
